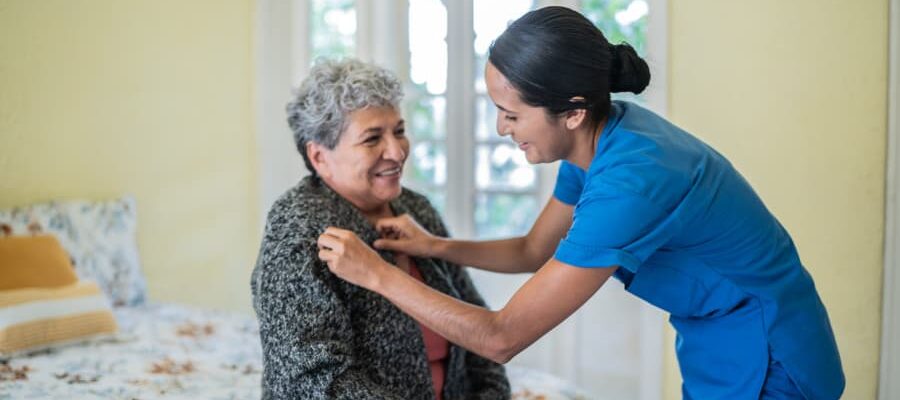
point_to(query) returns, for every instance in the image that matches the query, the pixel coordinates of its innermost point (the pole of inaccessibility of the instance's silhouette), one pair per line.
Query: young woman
(636, 198)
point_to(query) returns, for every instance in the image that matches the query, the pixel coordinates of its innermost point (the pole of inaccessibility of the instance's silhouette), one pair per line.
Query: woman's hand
(350, 258)
(403, 234)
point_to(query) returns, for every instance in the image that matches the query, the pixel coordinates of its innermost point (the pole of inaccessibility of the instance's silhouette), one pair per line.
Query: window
(480, 181)
(426, 100)
(332, 28)
(621, 21)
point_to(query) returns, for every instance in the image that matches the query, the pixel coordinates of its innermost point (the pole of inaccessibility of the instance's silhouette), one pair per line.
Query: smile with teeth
(389, 172)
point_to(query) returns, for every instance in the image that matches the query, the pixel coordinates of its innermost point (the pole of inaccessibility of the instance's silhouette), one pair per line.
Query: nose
(503, 128)
(395, 149)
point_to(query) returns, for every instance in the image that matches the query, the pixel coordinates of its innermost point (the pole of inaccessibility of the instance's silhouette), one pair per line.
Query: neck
(584, 146)
(373, 214)
(370, 211)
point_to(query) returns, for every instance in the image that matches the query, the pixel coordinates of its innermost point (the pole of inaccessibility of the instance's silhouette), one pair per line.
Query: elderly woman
(323, 337)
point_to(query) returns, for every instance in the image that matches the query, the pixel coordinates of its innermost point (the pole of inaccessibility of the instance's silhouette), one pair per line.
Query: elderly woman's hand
(403, 234)
(350, 258)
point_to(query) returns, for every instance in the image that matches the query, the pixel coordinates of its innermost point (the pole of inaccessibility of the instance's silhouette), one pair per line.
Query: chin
(533, 158)
(388, 193)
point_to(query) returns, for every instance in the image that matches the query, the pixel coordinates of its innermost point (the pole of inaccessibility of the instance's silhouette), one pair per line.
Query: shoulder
(302, 210)
(287, 262)
(643, 154)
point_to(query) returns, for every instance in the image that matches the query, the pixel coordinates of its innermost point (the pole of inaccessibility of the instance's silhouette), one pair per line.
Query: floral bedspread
(176, 352)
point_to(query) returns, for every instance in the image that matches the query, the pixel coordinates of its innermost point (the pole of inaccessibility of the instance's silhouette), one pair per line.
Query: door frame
(890, 327)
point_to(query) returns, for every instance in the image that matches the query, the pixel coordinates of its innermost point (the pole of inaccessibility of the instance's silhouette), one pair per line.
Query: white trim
(460, 117)
(364, 40)
(299, 44)
(381, 31)
(281, 58)
(889, 387)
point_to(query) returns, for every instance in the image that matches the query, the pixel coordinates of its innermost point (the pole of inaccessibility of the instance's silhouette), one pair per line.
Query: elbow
(502, 348)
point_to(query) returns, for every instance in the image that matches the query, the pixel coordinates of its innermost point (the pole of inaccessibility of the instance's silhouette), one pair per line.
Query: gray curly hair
(333, 89)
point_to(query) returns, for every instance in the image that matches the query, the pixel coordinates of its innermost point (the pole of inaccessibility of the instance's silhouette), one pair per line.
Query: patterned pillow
(99, 237)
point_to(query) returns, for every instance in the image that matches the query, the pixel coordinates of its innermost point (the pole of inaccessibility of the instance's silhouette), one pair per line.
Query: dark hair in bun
(628, 72)
(553, 54)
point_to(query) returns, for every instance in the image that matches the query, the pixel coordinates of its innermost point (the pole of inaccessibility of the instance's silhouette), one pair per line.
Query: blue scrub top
(692, 237)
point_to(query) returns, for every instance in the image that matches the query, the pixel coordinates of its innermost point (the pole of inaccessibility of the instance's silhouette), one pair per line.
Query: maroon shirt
(436, 347)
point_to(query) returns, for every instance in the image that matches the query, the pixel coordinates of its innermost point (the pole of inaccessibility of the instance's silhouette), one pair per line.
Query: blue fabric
(778, 385)
(692, 237)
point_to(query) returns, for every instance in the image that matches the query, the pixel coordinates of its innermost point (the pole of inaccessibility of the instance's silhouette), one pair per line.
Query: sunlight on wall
(152, 98)
(794, 93)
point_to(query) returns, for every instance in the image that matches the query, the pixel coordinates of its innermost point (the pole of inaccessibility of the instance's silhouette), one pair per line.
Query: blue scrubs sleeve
(569, 183)
(612, 228)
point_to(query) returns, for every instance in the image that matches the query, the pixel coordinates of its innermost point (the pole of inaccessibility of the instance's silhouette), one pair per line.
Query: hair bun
(628, 72)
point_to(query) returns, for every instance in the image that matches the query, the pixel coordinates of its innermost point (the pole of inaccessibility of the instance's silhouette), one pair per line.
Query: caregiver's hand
(403, 234)
(350, 258)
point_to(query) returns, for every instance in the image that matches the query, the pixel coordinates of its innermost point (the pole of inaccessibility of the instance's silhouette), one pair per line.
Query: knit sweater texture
(324, 338)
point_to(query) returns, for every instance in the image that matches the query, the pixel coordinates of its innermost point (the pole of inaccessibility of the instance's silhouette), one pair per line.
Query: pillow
(33, 319)
(99, 237)
(34, 261)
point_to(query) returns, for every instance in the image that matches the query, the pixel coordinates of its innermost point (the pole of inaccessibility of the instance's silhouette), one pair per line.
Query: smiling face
(366, 164)
(544, 139)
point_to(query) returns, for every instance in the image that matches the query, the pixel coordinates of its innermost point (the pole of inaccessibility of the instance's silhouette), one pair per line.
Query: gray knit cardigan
(323, 338)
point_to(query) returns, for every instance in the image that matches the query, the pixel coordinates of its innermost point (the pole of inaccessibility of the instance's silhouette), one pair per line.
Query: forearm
(486, 379)
(505, 256)
(522, 254)
(544, 301)
(475, 328)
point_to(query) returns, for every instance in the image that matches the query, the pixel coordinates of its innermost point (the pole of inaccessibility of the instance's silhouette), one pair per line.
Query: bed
(160, 350)
(178, 352)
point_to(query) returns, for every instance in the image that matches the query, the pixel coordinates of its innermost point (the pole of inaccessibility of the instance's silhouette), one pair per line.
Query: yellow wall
(104, 97)
(794, 93)
(153, 98)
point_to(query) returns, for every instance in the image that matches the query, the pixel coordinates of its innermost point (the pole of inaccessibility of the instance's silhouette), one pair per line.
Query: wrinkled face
(542, 139)
(366, 164)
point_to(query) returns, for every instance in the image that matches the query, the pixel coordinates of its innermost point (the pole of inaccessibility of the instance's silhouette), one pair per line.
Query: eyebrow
(377, 129)
(504, 109)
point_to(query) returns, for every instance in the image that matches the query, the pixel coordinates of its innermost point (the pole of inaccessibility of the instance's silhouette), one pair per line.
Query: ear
(317, 155)
(574, 118)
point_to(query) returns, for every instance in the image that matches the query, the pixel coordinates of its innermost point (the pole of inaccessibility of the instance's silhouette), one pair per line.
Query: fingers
(330, 242)
(337, 232)
(387, 224)
(326, 255)
(387, 244)
(402, 226)
(390, 233)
